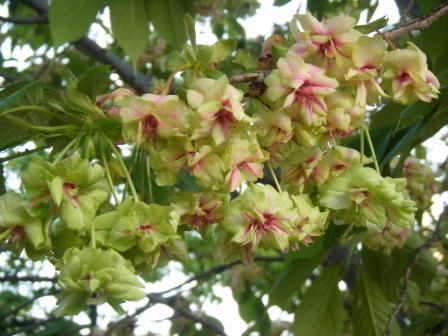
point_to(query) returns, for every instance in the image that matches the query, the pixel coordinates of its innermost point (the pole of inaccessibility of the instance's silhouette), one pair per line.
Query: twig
(20, 154)
(30, 20)
(200, 276)
(23, 305)
(218, 269)
(32, 278)
(137, 81)
(404, 289)
(432, 305)
(171, 302)
(420, 23)
(256, 76)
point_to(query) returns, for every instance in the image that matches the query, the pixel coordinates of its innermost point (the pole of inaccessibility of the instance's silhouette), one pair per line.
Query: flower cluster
(421, 183)
(316, 96)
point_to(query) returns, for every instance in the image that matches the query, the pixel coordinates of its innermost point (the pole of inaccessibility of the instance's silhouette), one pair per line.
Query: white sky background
(227, 311)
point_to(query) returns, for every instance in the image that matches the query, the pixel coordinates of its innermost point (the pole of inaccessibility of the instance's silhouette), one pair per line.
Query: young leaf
(130, 26)
(320, 311)
(222, 49)
(372, 26)
(70, 20)
(95, 81)
(246, 60)
(190, 28)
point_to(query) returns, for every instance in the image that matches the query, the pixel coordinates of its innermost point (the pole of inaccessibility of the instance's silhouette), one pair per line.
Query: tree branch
(30, 20)
(256, 76)
(200, 276)
(31, 278)
(218, 269)
(137, 81)
(404, 289)
(420, 23)
(171, 302)
(416, 24)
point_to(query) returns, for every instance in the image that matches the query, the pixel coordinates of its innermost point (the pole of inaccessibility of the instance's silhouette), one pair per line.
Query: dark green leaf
(320, 311)
(70, 20)
(281, 2)
(13, 96)
(291, 279)
(95, 81)
(370, 309)
(167, 17)
(130, 26)
(245, 60)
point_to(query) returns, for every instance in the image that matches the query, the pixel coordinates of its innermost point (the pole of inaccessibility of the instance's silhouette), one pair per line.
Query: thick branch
(404, 289)
(137, 81)
(420, 23)
(30, 20)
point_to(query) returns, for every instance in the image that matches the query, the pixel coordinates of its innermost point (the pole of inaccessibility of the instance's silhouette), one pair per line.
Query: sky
(227, 311)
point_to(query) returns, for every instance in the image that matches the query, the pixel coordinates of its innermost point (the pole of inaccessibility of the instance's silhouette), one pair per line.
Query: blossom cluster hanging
(270, 177)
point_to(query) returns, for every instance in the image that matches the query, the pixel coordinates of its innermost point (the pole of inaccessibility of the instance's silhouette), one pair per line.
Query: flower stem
(170, 79)
(123, 165)
(46, 129)
(271, 170)
(20, 154)
(31, 108)
(109, 178)
(65, 149)
(148, 173)
(361, 138)
(372, 149)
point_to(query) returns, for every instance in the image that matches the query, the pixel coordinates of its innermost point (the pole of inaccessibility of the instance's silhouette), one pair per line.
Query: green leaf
(252, 310)
(204, 54)
(222, 49)
(420, 130)
(167, 17)
(245, 60)
(95, 81)
(281, 2)
(320, 311)
(190, 29)
(14, 95)
(370, 309)
(70, 20)
(425, 268)
(291, 279)
(373, 26)
(130, 26)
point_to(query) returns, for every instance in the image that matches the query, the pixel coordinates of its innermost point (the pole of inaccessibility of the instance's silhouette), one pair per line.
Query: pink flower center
(147, 229)
(404, 77)
(67, 188)
(269, 222)
(149, 124)
(224, 118)
(16, 237)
